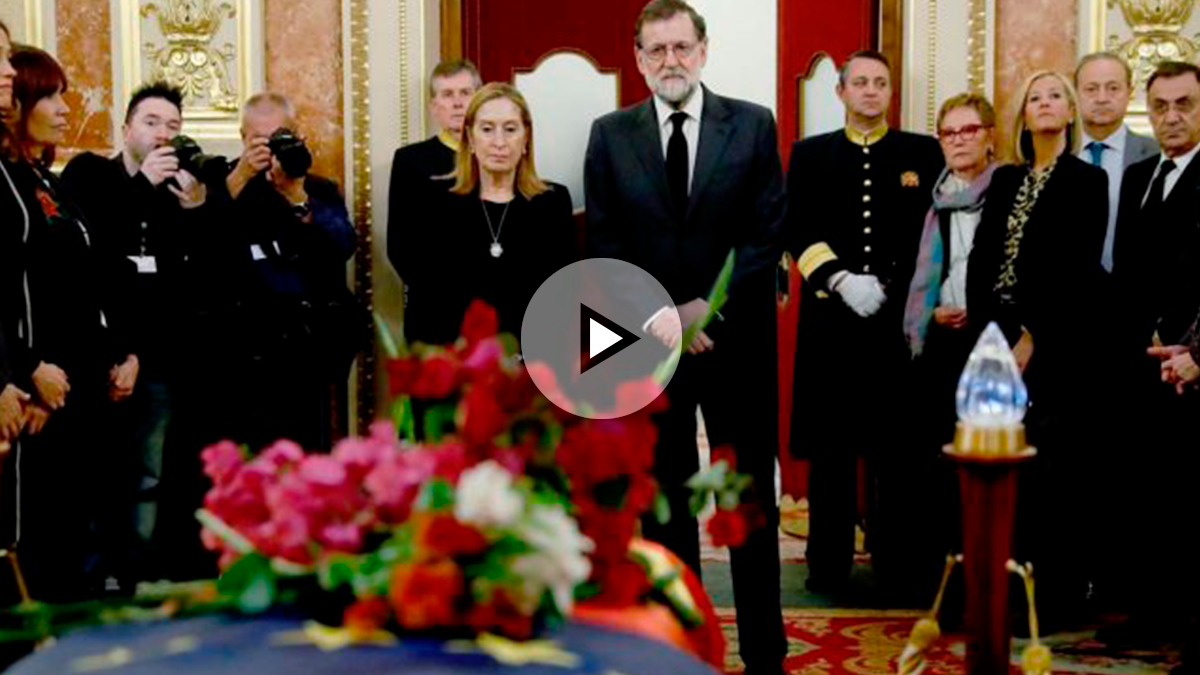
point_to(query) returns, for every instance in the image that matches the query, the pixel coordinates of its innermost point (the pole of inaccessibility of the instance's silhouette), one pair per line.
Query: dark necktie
(1158, 188)
(1097, 149)
(677, 163)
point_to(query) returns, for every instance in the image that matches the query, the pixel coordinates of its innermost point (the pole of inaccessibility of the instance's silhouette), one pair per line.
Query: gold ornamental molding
(34, 24)
(361, 167)
(931, 101)
(205, 47)
(189, 59)
(1157, 27)
(977, 48)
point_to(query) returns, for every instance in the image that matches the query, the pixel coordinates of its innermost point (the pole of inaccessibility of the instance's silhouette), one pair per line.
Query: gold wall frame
(364, 258)
(35, 24)
(208, 121)
(1143, 33)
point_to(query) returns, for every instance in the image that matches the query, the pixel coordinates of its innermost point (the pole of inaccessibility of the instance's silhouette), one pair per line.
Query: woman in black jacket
(501, 230)
(67, 338)
(12, 396)
(1034, 270)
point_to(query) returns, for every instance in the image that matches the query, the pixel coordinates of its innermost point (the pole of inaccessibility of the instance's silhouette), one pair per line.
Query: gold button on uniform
(866, 249)
(866, 198)
(867, 166)
(866, 150)
(866, 230)
(866, 268)
(867, 183)
(866, 214)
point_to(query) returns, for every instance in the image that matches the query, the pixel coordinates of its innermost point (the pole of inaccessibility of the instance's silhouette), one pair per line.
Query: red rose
(725, 452)
(401, 375)
(623, 583)
(481, 418)
(366, 616)
(441, 535)
(437, 377)
(49, 206)
(424, 595)
(632, 396)
(727, 528)
(479, 322)
(501, 615)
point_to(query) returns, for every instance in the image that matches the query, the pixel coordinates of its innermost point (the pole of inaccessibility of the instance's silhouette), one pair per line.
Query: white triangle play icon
(600, 338)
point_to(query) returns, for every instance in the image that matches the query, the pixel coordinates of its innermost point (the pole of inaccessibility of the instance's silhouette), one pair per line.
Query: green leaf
(338, 570)
(662, 508)
(436, 495)
(717, 298)
(697, 502)
(728, 500)
(251, 582)
(611, 492)
(437, 418)
(391, 347)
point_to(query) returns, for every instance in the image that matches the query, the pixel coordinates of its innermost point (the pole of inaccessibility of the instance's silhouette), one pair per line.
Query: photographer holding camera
(147, 211)
(298, 326)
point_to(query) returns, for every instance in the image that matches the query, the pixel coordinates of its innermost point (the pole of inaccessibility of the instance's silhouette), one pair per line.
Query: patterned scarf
(926, 285)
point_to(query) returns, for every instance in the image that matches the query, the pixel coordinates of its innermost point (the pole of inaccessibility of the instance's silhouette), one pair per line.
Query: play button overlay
(587, 338)
(600, 338)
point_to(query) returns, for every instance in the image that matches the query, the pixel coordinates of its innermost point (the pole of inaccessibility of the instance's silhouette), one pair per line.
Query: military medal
(497, 249)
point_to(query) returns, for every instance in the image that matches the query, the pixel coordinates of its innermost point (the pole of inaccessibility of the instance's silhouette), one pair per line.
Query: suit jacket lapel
(715, 131)
(647, 146)
(1185, 188)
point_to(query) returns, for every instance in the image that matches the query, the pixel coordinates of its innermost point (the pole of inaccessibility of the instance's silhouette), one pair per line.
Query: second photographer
(298, 325)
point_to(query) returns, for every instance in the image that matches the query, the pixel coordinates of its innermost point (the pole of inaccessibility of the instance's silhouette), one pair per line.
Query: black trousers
(735, 389)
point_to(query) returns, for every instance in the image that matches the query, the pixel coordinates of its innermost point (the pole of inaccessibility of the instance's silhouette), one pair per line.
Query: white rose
(485, 497)
(558, 561)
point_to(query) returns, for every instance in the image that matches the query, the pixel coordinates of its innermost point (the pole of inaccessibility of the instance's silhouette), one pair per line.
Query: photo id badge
(146, 264)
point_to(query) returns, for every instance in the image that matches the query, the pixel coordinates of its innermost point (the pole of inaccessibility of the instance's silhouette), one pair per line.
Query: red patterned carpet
(869, 642)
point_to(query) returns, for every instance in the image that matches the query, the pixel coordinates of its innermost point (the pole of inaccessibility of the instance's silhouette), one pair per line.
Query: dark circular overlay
(585, 340)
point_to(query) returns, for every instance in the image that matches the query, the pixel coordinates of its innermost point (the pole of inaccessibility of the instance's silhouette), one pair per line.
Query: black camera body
(293, 155)
(190, 155)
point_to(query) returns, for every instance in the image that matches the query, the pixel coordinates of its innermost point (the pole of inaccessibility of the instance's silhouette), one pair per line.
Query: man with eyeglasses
(1104, 82)
(858, 198)
(672, 185)
(1155, 261)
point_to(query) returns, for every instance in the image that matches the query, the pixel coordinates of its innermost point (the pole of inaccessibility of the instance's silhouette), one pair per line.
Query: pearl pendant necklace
(496, 249)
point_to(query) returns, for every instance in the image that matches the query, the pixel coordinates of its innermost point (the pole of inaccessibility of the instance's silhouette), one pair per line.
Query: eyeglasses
(658, 53)
(966, 133)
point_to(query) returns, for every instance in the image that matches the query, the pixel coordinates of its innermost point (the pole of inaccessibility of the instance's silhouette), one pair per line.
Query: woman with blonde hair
(1034, 270)
(501, 230)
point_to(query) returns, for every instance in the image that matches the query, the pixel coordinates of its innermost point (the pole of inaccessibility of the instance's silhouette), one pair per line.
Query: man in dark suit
(673, 184)
(1104, 82)
(451, 86)
(1156, 256)
(858, 198)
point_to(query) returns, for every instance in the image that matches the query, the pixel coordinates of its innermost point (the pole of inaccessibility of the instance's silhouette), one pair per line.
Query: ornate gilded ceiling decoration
(1157, 27)
(189, 59)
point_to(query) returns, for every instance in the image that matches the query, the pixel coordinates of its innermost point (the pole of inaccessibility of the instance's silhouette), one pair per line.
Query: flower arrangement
(507, 511)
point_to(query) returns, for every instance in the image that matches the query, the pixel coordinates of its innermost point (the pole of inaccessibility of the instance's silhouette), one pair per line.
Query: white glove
(862, 293)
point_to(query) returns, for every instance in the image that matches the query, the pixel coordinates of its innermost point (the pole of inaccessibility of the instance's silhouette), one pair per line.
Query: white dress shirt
(962, 239)
(1181, 165)
(694, 107)
(1112, 160)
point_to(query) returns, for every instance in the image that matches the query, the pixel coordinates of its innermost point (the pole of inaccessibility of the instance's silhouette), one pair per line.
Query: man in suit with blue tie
(672, 185)
(1104, 82)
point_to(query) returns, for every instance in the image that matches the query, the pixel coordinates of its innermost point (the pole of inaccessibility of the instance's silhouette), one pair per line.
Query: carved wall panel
(211, 49)
(1145, 33)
